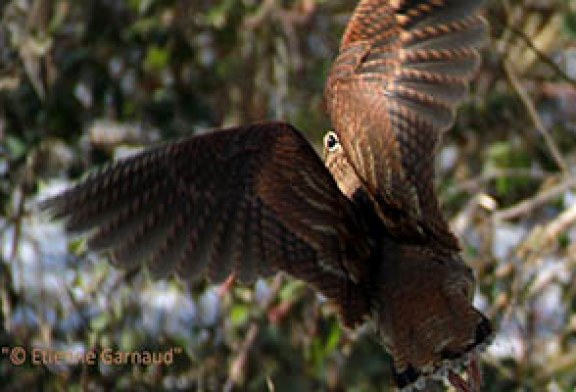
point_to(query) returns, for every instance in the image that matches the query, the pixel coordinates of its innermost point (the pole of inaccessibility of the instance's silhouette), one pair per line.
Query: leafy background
(86, 81)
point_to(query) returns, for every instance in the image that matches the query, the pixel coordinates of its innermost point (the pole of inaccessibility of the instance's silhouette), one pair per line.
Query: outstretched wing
(403, 67)
(251, 201)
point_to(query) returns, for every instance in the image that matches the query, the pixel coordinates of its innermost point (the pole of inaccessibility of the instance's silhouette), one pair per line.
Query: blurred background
(83, 82)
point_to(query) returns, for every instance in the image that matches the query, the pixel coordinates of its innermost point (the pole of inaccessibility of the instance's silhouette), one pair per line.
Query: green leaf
(333, 338)
(130, 340)
(291, 290)
(239, 315)
(100, 322)
(16, 146)
(156, 58)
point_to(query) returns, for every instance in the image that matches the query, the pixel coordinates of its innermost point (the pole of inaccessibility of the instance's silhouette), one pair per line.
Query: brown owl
(365, 228)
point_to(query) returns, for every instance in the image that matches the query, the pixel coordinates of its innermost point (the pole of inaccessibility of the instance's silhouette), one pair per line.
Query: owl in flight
(364, 227)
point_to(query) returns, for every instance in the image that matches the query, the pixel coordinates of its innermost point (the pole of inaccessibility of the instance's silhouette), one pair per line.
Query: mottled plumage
(365, 228)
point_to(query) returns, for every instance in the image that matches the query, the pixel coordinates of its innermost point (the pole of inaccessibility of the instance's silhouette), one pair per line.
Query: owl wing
(250, 201)
(403, 67)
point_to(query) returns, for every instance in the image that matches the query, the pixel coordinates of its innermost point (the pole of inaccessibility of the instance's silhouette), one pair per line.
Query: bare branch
(527, 101)
(562, 223)
(529, 205)
(541, 55)
(238, 366)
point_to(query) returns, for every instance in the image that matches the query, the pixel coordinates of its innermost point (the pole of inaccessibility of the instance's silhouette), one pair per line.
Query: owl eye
(331, 141)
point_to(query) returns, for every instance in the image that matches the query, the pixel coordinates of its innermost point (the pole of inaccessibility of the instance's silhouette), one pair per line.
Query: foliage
(84, 81)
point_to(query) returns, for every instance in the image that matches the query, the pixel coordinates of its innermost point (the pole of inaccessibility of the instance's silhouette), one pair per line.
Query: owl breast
(422, 309)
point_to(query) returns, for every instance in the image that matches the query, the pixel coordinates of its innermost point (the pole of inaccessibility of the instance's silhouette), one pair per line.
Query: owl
(364, 227)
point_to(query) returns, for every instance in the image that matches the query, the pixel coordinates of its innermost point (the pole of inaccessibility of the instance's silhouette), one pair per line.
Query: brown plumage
(365, 228)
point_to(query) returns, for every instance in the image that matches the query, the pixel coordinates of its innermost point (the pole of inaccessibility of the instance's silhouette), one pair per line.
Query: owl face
(337, 163)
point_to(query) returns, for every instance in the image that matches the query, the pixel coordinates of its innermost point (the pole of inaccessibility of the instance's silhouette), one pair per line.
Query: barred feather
(403, 67)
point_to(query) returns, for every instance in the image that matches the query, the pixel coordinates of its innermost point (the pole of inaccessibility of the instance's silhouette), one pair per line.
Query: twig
(239, 363)
(531, 204)
(556, 365)
(17, 224)
(525, 98)
(473, 184)
(541, 240)
(7, 280)
(541, 55)
(560, 224)
(6, 292)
